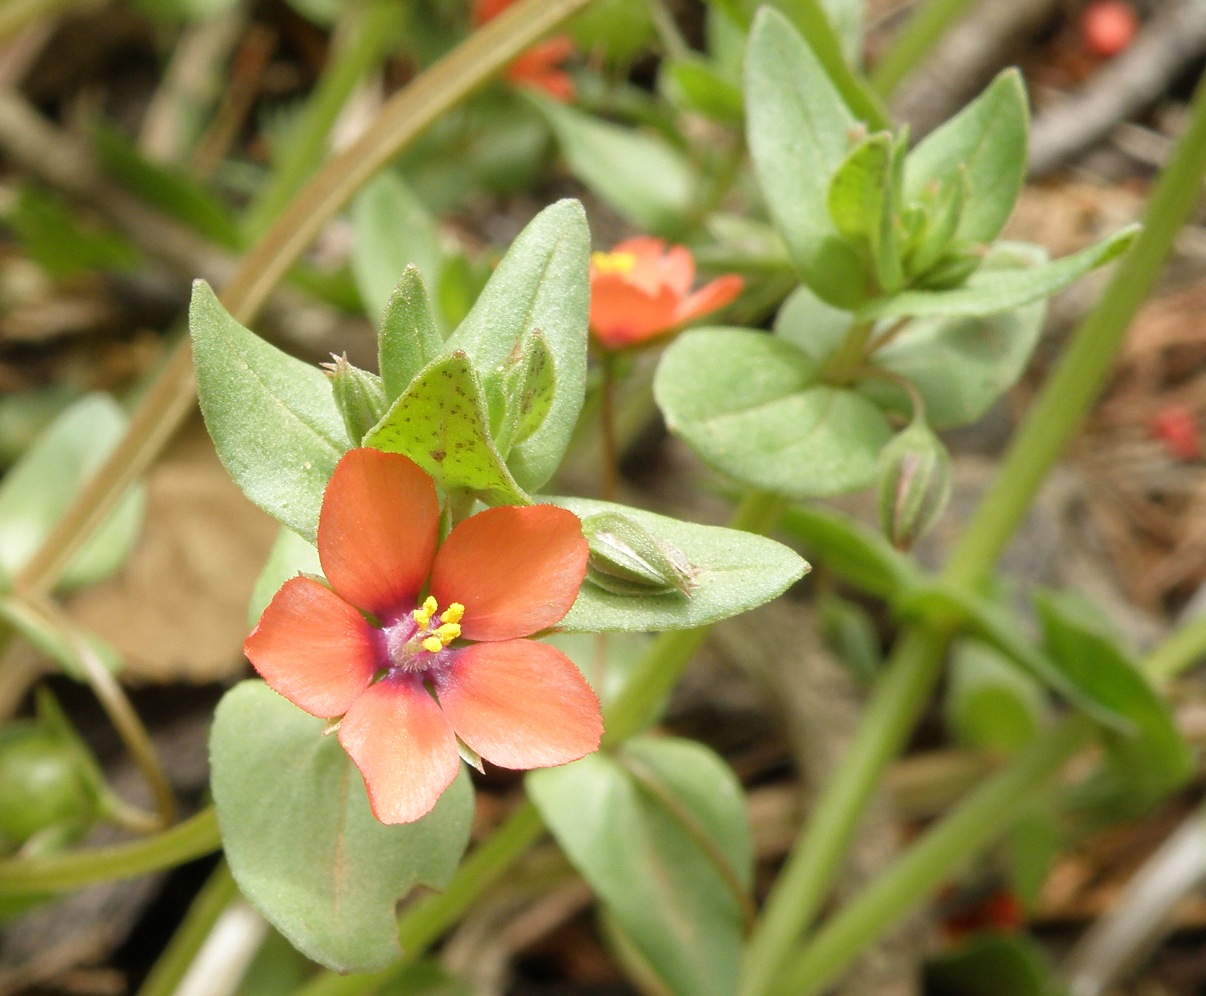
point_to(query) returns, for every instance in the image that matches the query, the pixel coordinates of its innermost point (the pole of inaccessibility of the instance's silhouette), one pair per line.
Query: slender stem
(803, 883)
(921, 34)
(984, 816)
(1178, 652)
(849, 356)
(186, 841)
(172, 966)
(121, 713)
(362, 39)
(1086, 363)
(607, 420)
(914, 665)
(399, 122)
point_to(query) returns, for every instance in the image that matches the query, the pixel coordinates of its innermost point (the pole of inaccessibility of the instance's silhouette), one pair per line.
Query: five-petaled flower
(540, 65)
(642, 289)
(417, 643)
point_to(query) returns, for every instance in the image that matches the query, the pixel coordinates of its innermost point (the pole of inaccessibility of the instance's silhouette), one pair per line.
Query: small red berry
(1108, 27)
(1177, 429)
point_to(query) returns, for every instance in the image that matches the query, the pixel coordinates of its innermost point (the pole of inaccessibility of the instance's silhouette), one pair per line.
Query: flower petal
(314, 648)
(622, 314)
(377, 531)
(709, 298)
(516, 570)
(520, 704)
(404, 747)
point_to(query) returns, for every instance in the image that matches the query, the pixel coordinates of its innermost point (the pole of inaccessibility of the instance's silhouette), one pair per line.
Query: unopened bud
(914, 484)
(627, 559)
(359, 396)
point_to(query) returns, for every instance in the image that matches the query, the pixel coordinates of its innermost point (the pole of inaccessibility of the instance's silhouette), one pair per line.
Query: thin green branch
(923, 31)
(193, 838)
(915, 664)
(215, 896)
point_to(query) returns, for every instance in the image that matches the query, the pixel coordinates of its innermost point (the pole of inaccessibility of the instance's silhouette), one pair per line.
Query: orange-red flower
(539, 66)
(642, 289)
(419, 673)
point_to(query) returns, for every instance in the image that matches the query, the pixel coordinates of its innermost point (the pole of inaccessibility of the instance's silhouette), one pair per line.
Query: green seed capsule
(43, 783)
(627, 559)
(914, 484)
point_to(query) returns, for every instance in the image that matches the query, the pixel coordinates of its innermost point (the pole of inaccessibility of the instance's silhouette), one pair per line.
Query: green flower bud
(627, 559)
(914, 483)
(44, 783)
(359, 396)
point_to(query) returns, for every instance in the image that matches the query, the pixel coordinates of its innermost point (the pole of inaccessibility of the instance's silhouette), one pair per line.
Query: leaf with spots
(303, 844)
(440, 422)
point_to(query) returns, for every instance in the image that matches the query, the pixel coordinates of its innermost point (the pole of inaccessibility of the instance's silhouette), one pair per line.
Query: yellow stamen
(448, 632)
(433, 644)
(613, 262)
(424, 613)
(453, 614)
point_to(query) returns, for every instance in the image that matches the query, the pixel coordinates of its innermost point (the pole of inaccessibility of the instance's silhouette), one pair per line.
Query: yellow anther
(448, 632)
(433, 644)
(424, 613)
(613, 262)
(453, 614)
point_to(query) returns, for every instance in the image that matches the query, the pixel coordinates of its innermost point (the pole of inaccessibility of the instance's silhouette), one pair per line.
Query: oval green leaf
(303, 845)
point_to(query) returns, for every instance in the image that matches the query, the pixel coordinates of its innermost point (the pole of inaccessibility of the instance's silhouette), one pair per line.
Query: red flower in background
(405, 684)
(642, 289)
(1176, 427)
(539, 66)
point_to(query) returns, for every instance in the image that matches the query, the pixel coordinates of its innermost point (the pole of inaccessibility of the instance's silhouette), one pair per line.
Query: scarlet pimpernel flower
(540, 65)
(416, 644)
(642, 289)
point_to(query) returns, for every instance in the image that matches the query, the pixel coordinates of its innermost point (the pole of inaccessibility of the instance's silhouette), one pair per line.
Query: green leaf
(988, 139)
(812, 325)
(173, 192)
(659, 832)
(862, 204)
(989, 965)
(541, 283)
(393, 231)
(990, 291)
(409, 338)
(440, 422)
(290, 555)
(272, 418)
(40, 486)
(990, 703)
(749, 404)
(732, 572)
(798, 129)
(52, 237)
(695, 84)
(641, 175)
(525, 391)
(858, 554)
(1152, 754)
(303, 844)
(961, 365)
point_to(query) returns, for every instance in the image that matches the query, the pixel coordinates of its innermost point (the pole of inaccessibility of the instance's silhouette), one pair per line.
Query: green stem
(213, 899)
(914, 666)
(802, 885)
(850, 356)
(362, 40)
(983, 817)
(914, 42)
(1074, 386)
(1181, 650)
(186, 841)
